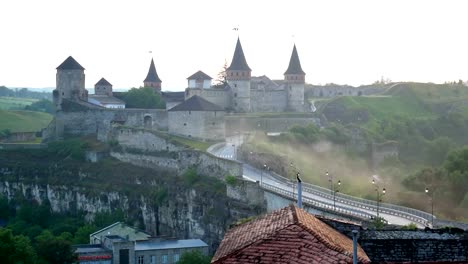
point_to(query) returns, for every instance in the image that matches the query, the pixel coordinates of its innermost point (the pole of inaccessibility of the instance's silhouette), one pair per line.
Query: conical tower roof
(70, 64)
(238, 60)
(152, 74)
(294, 63)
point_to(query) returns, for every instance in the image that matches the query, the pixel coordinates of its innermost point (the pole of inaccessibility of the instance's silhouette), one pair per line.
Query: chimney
(355, 233)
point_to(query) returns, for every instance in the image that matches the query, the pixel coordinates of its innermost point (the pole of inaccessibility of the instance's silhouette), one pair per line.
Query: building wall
(99, 121)
(295, 96)
(169, 253)
(268, 100)
(240, 95)
(218, 97)
(197, 124)
(70, 83)
(103, 89)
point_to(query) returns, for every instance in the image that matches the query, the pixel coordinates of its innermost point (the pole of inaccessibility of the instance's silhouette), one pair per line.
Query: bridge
(322, 199)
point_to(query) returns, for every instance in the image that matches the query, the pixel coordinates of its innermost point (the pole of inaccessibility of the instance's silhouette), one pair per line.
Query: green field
(7, 103)
(23, 121)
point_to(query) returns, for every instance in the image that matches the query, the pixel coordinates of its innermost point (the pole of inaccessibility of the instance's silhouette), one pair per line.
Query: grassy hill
(24, 121)
(7, 103)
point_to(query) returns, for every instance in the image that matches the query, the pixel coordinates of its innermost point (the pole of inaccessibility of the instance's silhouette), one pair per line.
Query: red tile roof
(288, 235)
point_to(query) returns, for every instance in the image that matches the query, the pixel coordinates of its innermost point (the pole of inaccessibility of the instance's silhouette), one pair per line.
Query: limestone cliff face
(160, 204)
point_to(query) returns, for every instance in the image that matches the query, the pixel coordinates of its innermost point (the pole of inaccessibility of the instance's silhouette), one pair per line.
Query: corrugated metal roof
(169, 244)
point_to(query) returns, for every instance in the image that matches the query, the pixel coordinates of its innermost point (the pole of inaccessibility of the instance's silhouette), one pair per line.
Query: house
(197, 118)
(123, 244)
(288, 235)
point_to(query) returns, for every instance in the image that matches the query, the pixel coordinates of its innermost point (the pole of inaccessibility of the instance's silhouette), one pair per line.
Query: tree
(221, 78)
(194, 257)
(15, 249)
(54, 250)
(82, 234)
(42, 105)
(145, 97)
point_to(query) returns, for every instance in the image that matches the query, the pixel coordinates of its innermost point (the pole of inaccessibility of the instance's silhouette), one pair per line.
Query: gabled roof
(70, 64)
(238, 60)
(199, 75)
(103, 82)
(294, 63)
(196, 103)
(152, 74)
(288, 235)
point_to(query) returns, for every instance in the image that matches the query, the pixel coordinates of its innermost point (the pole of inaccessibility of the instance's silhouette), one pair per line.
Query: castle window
(213, 123)
(189, 112)
(185, 124)
(63, 93)
(235, 94)
(235, 85)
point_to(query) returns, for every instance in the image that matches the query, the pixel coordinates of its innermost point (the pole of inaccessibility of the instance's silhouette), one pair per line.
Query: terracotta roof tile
(288, 235)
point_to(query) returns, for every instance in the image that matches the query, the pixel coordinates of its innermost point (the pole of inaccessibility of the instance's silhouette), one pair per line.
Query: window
(176, 257)
(235, 94)
(185, 124)
(141, 259)
(235, 85)
(164, 259)
(153, 259)
(189, 112)
(213, 123)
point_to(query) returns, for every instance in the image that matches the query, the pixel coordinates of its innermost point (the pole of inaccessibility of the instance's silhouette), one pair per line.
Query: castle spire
(294, 64)
(238, 60)
(152, 78)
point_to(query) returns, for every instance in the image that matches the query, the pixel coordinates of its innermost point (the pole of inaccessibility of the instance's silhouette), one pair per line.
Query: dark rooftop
(70, 64)
(199, 75)
(152, 74)
(173, 96)
(196, 103)
(294, 63)
(238, 60)
(103, 82)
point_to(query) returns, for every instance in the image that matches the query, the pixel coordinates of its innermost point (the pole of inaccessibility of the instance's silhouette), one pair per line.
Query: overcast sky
(345, 42)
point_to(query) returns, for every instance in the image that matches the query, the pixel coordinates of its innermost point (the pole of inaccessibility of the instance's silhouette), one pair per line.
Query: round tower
(295, 81)
(70, 82)
(238, 77)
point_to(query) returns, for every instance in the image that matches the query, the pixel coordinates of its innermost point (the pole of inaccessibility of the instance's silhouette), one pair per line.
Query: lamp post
(333, 188)
(432, 205)
(379, 195)
(296, 171)
(261, 175)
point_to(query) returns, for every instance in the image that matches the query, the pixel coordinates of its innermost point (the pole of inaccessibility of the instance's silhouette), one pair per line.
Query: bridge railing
(396, 210)
(319, 204)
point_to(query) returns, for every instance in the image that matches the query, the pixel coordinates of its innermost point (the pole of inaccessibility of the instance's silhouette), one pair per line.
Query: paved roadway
(228, 151)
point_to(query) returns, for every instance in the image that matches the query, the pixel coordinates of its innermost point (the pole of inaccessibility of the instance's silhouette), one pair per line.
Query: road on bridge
(228, 151)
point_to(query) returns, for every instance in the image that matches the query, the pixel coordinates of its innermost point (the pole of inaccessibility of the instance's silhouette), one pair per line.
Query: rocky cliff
(159, 201)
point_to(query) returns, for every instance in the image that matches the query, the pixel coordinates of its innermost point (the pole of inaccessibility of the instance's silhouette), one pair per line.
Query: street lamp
(296, 171)
(333, 188)
(379, 195)
(432, 205)
(261, 175)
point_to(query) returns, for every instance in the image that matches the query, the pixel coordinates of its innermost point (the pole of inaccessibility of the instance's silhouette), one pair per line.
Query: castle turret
(70, 82)
(295, 82)
(238, 78)
(152, 79)
(103, 87)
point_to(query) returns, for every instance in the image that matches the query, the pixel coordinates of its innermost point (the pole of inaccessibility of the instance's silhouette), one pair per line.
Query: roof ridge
(324, 241)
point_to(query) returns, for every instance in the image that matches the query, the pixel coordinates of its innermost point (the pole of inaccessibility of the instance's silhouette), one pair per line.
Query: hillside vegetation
(23, 121)
(13, 103)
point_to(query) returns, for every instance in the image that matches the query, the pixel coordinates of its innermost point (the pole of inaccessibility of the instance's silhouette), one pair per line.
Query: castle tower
(238, 78)
(70, 82)
(152, 79)
(295, 82)
(103, 87)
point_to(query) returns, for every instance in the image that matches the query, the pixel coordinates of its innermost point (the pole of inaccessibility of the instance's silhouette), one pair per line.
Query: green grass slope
(24, 121)
(15, 103)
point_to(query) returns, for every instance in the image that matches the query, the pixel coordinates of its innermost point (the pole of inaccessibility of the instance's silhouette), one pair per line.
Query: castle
(198, 112)
(244, 93)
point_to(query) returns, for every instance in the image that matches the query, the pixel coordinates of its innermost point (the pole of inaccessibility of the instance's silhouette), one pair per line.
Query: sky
(344, 42)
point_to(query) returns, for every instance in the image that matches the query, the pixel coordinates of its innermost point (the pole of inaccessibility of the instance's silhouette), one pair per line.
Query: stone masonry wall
(268, 100)
(247, 192)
